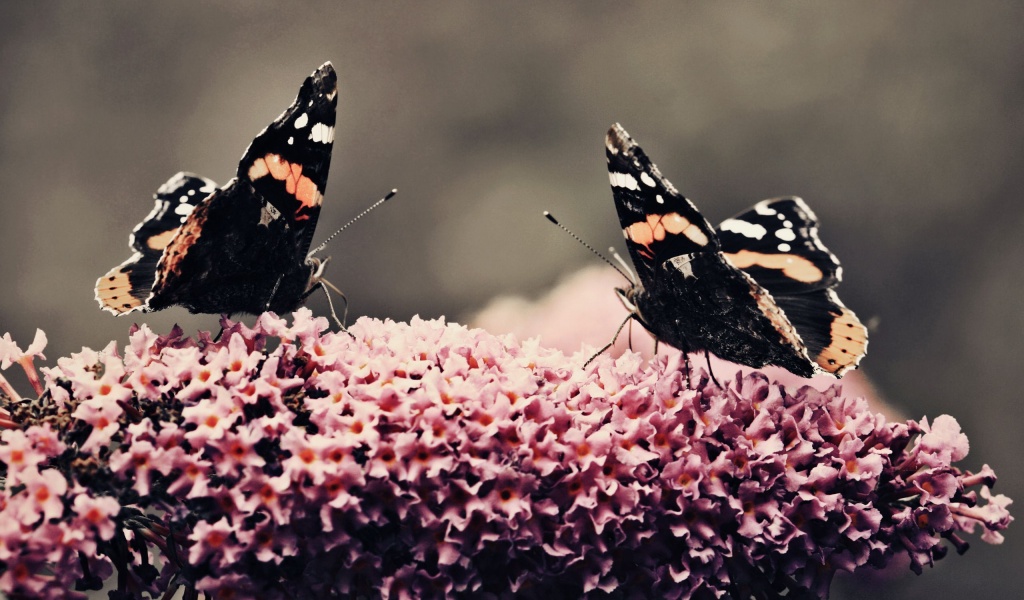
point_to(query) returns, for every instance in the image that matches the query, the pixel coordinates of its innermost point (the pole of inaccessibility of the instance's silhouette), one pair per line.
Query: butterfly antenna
(551, 218)
(354, 219)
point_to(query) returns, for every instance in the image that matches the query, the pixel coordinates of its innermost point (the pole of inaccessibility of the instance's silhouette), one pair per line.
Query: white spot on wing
(647, 179)
(762, 208)
(682, 262)
(785, 234)
(269, 214)
(302, 121)
(183, 209)
(623, 180)
(659, 199)
(744, 228)
(784, 247)
(322, 133)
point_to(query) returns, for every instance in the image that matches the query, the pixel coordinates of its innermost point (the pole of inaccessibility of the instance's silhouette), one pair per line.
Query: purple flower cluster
(428, 460)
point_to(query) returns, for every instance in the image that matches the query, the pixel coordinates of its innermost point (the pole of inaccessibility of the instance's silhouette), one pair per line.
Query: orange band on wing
(656, 227)
(295, 183)
(160, 240)
(792, 265)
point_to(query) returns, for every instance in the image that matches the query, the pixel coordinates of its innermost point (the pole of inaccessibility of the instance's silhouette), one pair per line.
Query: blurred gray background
(899, 122)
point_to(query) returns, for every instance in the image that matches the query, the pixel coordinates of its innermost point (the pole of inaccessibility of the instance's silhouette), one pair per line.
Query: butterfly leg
(344, 313)
(686, 360)
(707, 357)
(334, 315)
(611, 343)
(273, 292)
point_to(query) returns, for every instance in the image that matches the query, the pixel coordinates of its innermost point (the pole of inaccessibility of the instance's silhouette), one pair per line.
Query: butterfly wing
(776, 243)
(658, 222)
(127, 287)
(288, 162)
(835, 338)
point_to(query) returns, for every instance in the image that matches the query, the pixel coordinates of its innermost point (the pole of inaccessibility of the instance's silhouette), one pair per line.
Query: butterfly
(241, 247)
(759, 290)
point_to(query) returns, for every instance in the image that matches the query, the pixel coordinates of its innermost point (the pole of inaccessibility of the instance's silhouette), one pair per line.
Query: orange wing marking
(657, 227)
(793, 266)
(180, 244)
(295, 183)
(160, 241)
(114, 292)
(849, 344)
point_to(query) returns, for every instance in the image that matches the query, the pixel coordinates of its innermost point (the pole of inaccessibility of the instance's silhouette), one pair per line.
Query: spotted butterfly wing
(659, 223)
(776, 242)
(689, 294)
(288, 162)
(243, 246)
(127, 286)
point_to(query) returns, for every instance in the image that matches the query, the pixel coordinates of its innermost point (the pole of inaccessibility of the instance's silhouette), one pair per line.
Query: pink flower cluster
(428, 460)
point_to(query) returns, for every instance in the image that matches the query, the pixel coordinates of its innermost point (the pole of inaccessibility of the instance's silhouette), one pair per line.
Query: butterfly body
(757, 291)
(241, 247)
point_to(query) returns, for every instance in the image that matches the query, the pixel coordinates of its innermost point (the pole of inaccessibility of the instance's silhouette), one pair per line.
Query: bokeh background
(899, 122)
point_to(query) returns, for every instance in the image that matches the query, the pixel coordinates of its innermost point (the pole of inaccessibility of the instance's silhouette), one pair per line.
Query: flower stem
(33, 376)
(7, 389)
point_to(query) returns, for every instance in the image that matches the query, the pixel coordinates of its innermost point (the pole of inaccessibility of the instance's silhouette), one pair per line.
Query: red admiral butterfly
(756, 291)
(242, 247)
